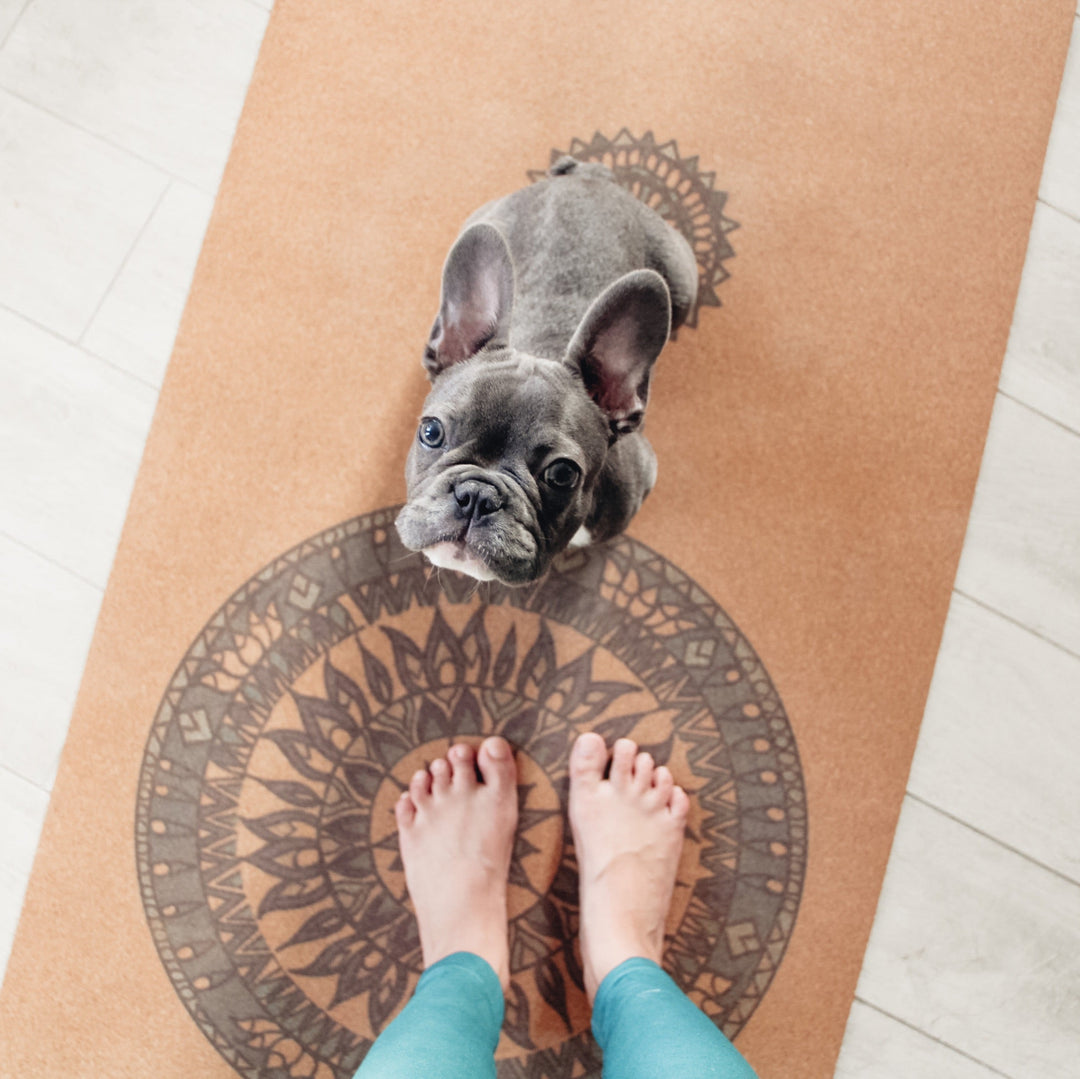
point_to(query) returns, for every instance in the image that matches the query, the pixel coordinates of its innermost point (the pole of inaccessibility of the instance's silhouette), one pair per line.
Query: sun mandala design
(266, 846)
(677, 189)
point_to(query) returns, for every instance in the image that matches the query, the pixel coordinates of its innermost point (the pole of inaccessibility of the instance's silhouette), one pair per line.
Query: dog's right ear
(477, 299)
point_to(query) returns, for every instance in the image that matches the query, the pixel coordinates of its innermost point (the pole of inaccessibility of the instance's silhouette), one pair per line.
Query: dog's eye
(431, 432)
(562, 473)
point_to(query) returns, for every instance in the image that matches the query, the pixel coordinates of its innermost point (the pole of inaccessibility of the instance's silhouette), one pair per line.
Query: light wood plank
(22, 813)
(1000, 742)
(1022, 550)
(1061, 173)
(164, 79)
(1042, 362)
(978, 947)
(70, 207)
(136, 325)
(45, 633)
(877, 1046)
(12, 890)
(9, 12)
(72, 430)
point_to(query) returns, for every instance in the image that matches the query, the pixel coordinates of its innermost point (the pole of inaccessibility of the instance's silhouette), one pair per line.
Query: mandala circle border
(383, 519)
(702, 220)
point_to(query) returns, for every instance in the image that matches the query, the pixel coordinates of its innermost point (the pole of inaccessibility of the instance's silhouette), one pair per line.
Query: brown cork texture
(218, 889)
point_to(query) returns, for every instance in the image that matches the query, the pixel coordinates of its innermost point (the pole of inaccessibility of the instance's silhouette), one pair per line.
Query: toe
(497, 765)
(404, 811)
(463, 764)
(440, 776)
(622, 763)
(587, 759)
(420, 787)
(662, 784)
(643, 772)
(680, 805)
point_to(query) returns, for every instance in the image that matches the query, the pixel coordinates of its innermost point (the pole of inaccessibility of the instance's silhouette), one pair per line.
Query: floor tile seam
(144, 382)
(165, 173)
(176, 183)
(991, 838)
(1014, 621)
(71, 343)
(47, 791)
(14, 23)
(1038, 412)
(30, 548)
(932, 1037)
(123, 263)
(1069, 215)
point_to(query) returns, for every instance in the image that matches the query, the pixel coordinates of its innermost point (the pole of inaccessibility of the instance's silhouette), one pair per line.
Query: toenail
(497, 748)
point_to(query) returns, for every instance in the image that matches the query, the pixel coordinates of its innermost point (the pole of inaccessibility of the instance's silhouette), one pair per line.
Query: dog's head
(505, 463)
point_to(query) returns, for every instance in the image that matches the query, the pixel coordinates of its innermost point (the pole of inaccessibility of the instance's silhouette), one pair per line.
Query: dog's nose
(476, 499)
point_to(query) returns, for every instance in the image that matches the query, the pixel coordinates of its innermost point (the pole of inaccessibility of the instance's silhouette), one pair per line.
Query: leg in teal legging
(456, 824)
(649, 1029)
(645, 1024)
(449, 1028)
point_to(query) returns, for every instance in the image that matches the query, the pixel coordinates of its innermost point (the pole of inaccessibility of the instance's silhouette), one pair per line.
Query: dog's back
(570, 236)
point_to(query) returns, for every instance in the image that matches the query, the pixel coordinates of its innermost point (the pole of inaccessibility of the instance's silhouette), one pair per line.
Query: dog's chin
(456, 556)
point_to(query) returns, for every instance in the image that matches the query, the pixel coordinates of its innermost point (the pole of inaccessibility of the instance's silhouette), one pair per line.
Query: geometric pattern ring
(675, 187)
(265, 838)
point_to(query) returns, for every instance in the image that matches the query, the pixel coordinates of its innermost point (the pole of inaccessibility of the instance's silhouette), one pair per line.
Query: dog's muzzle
(477, 499)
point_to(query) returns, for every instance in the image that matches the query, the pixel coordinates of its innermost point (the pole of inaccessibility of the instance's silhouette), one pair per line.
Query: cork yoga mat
(218, 889)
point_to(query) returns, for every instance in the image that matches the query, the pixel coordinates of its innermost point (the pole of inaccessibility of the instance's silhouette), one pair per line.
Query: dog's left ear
(617, 343)
(477, 299)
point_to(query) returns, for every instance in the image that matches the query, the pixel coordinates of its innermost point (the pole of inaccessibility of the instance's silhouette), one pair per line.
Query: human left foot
(628, 832)
(456, 836)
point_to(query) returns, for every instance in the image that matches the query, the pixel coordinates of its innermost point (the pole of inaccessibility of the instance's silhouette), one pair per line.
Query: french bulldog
(556, 301)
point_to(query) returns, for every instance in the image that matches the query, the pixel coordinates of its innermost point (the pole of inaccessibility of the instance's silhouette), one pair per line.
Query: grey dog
(556, 301)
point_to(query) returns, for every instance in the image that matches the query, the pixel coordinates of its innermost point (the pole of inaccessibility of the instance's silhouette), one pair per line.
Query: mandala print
(677, 189)
(266, 845)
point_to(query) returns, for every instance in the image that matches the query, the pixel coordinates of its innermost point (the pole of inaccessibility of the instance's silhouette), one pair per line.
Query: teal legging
(645, 1024)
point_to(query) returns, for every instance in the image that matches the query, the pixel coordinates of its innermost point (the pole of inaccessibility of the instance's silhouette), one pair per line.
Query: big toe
(588, 758)
(497, 765)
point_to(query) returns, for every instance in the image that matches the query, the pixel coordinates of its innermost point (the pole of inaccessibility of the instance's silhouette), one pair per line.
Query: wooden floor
(113, 135)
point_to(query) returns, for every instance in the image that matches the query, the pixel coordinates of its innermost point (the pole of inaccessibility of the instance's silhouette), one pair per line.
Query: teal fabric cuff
(647, 1027)
(472, 975)
(647, 976)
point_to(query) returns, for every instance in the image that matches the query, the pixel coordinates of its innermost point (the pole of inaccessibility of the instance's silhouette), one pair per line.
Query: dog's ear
(617, 343)
(477, 299)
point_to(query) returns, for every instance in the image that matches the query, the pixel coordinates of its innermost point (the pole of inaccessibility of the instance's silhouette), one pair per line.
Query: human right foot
(628, 832)
(456, 836)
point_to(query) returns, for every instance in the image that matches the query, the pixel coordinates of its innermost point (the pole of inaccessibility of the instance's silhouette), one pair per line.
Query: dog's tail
(567, 166)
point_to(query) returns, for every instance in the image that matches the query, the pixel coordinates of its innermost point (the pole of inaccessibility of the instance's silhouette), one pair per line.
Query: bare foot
(456, 836)
(628, 832)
